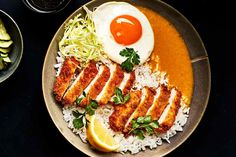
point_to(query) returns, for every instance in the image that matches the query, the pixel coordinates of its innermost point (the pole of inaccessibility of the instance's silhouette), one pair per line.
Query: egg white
(102, 18)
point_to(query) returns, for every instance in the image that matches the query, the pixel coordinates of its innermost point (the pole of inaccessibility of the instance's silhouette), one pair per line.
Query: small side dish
(46, 6)
(11, 46)
(5, 46)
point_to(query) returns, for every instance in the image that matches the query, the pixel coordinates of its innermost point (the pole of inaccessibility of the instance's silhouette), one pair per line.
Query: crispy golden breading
(121, 118)
(121, 113)
(171, 115)
(97, 87)
(81, 82)
(129, 83)
(159, 103)
(63, 80)
(113, 82)
(142, 108)
(126, 84)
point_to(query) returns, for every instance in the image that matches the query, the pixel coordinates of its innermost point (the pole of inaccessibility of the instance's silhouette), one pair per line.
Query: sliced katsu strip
(81, 82)
(122, 113)
(160, 102)
(63, 80)
(96, 86)
(167, 118)
(144, 105)
(116, 76)
(127, 82)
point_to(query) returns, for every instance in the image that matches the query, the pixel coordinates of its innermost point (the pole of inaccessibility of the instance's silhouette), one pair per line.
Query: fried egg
(120, 25)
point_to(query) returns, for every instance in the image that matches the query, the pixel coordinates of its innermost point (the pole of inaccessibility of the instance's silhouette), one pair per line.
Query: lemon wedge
(99, 137)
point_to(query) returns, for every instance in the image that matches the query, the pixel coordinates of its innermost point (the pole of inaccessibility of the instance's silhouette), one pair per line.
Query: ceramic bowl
(17, 46)
(201, 72)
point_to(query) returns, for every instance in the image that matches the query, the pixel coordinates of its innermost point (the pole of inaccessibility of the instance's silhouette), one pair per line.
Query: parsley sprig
(78, 100)
(143, 124)
(132, 59)
(80, 118)
(120, 98)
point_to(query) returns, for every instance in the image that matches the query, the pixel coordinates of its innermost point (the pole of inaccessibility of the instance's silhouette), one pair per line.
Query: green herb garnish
(80, 118)
(78, 121)
(119, 98)
(143, 124)
(79, 99)
(132, 59)
(91, 107)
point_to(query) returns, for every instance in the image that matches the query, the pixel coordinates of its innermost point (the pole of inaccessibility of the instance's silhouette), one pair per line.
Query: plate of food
(126, 77)
(11, 46)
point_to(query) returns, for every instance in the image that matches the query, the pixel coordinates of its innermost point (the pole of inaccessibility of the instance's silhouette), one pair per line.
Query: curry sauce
(170, 54)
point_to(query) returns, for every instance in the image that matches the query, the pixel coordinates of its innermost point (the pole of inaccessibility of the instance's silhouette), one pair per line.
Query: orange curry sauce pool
(171, 53)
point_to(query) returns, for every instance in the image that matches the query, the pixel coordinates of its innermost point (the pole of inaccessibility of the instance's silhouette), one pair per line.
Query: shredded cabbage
(80, 39)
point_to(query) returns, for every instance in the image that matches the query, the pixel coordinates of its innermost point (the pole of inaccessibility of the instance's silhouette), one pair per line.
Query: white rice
(60, 59)
(130, 144)
(144, 77)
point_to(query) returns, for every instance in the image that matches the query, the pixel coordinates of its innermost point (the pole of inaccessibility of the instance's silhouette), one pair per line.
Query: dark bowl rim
(22, 47)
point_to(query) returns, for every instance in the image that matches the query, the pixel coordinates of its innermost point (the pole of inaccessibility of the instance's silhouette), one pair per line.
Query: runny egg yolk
(126, 29)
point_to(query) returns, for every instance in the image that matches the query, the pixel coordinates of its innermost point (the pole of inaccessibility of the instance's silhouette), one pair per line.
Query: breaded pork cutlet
(80, 83)
(66, 74)
(96, 86)
(116, 76)
(168, 117)
(121, 113)
(127, 82)
(142, 108)
(160, 102)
